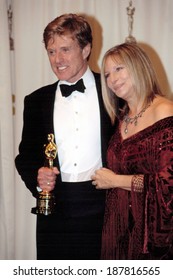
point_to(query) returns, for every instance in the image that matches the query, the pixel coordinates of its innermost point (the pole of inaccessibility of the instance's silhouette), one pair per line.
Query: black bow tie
(66, 90)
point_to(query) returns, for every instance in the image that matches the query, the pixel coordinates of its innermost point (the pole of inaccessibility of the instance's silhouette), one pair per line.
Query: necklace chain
(133, 120)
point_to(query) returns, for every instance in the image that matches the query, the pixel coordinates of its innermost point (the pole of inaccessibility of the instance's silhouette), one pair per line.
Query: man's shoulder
(47, 89)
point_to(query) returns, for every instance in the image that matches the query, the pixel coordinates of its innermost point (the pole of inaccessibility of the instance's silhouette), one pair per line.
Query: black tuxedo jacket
(38, 123)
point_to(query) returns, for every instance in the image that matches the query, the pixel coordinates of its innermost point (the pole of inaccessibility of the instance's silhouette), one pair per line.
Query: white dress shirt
(77, 131)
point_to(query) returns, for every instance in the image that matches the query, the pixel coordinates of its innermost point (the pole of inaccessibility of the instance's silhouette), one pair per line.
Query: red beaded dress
(138, 225)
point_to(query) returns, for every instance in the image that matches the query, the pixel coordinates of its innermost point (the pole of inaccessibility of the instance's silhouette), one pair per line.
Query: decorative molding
(13, 104)
(10, 27)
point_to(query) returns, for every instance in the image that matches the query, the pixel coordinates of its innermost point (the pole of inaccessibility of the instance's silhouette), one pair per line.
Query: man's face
(67, 59)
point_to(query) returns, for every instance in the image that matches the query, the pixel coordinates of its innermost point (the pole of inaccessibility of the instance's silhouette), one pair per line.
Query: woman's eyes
(106, 76)
(116, 69)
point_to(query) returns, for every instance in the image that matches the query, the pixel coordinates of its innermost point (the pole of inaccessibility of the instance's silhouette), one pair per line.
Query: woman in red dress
(138, 222)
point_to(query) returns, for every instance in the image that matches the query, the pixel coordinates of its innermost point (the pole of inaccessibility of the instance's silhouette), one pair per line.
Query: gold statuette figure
(46, 200)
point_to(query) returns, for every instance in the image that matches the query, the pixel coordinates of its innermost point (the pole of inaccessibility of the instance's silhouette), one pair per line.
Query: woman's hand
(47, 178)
(104, 179)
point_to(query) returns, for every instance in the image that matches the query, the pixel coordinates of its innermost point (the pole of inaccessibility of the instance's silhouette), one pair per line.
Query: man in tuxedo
(71, 109)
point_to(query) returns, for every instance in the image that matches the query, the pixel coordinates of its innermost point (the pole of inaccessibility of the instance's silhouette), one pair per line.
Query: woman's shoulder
(162, 107)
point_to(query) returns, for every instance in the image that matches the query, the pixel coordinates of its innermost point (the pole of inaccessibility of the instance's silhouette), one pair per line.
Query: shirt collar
(88, 79)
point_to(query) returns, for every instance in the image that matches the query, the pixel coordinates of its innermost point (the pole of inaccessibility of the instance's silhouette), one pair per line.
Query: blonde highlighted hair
(141, 71)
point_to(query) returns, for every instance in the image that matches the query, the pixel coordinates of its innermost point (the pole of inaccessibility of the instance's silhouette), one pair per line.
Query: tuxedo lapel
(105, 124)
(48, 107)
(48, 112)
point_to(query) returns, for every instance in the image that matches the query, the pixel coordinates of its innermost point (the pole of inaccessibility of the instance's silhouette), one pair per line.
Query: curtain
(152, 28)
(6, 143)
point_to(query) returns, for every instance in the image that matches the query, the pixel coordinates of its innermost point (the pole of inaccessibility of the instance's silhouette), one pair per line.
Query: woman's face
(118, 78)
(67, 59)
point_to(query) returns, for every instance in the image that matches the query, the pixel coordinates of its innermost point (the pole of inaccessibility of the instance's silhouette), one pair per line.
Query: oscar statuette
(130, 12)
(46, 200)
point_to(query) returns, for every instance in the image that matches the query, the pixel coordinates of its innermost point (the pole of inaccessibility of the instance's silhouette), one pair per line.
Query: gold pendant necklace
(133, 120)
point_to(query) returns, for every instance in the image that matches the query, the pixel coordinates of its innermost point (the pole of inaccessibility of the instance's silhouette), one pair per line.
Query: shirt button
(75, 164)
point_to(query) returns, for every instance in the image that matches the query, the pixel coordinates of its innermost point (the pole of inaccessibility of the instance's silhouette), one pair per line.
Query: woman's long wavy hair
(141, 71)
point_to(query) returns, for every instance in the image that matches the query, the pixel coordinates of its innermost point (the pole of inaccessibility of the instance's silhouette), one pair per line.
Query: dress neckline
(143, 131)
